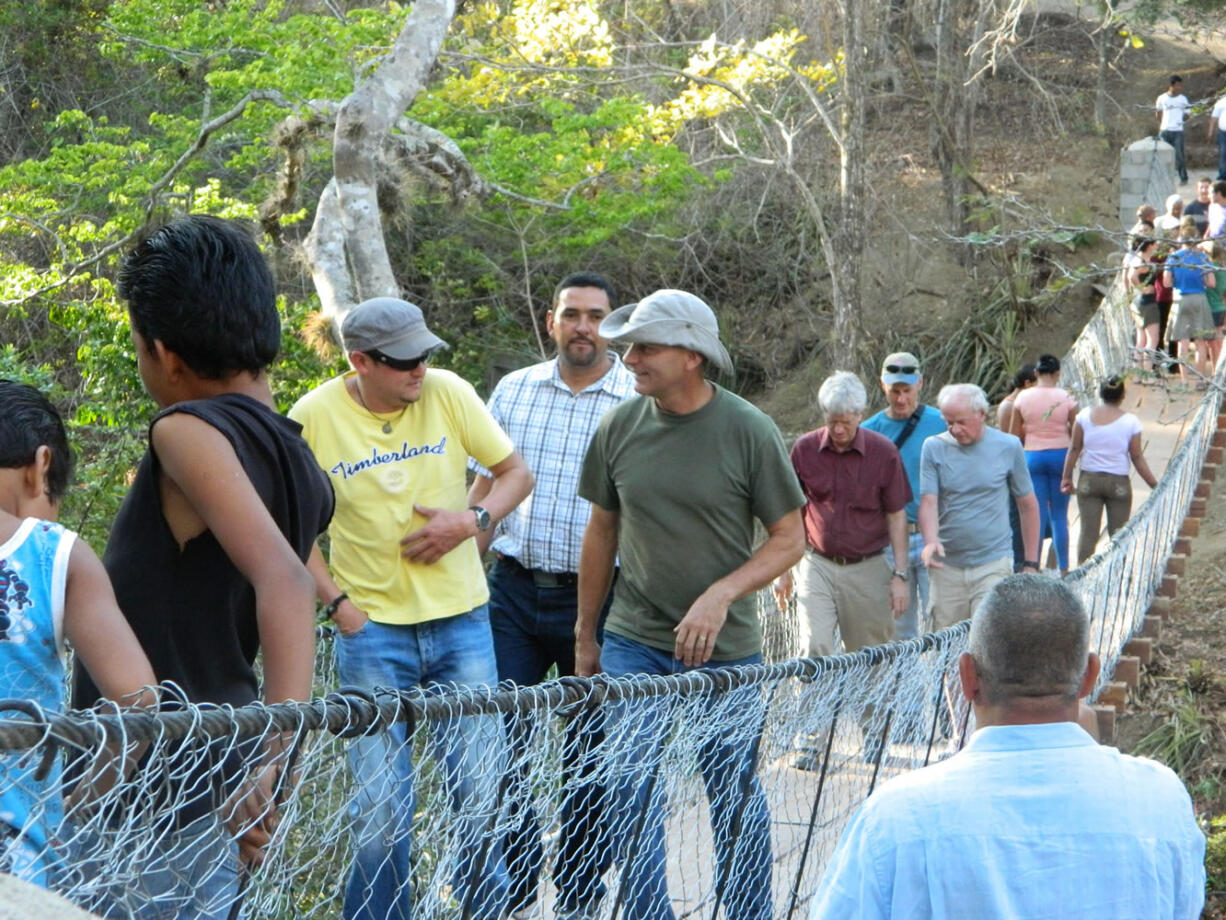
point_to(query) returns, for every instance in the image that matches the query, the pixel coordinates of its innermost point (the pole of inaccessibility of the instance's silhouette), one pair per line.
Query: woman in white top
(1107, 439)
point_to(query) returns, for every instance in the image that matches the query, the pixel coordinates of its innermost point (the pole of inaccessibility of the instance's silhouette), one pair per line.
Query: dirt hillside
(1046, 161)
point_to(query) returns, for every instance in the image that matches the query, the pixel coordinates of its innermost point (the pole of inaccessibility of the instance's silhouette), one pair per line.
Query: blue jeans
(1046, 468)
(190, 874)
(1175, 139)
(908, 625)
(534, 629)
(470, 749)
(727, 759)
(1221, 154)
(203, 876)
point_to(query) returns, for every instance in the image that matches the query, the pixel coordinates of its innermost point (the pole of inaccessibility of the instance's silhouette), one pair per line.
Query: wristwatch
(900, 573)
(483, 517)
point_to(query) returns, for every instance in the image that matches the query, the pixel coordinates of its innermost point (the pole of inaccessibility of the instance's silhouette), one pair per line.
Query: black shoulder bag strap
(909, 427)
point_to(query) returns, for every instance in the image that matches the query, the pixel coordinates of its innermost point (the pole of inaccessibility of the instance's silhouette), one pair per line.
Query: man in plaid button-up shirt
(550, 410)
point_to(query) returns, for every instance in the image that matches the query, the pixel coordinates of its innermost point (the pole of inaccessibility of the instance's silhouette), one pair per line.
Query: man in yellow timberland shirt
(406, 589)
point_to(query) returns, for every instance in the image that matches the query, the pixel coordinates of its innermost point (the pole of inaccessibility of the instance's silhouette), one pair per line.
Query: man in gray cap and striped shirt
(676, 480)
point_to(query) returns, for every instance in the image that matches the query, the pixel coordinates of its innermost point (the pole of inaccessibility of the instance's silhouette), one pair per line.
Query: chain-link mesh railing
(1118, 584)
(710, 788)
(1104, 346)
(636, 798)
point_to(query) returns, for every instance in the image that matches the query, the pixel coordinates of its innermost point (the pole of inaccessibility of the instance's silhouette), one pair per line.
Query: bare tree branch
(182, 55)
(70, 269)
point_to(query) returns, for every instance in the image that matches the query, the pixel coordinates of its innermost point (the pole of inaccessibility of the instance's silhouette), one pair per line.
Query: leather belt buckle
(553, 579)
(850, 560)
(543, 579)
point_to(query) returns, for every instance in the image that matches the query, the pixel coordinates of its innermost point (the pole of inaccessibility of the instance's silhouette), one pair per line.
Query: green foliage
(104, 453)
(524, 90)
(1215, 855)
(299, 368)
(40, 376)
(49, 62)
(1180, 742)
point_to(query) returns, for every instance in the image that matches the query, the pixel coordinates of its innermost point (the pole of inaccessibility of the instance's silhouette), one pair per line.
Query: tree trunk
(1102, 44)
(847, 256)
(954, 93)
(345, 248)
(946, 94)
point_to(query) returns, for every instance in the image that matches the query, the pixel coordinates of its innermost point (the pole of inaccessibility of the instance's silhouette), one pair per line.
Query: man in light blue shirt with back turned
(1032, 818)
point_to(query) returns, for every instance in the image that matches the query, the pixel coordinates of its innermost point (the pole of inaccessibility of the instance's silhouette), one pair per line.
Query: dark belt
(541, 578)
(850, 560)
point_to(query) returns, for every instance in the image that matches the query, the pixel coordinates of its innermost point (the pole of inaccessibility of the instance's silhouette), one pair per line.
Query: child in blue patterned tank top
(53, 589)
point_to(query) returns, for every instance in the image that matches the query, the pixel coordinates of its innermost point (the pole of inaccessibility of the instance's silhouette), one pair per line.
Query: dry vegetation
(1044, 164)
(1178, 714)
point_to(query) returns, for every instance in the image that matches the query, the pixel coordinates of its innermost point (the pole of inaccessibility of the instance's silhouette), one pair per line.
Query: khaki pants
(956, 592)
(856, 597)
(1094, 492)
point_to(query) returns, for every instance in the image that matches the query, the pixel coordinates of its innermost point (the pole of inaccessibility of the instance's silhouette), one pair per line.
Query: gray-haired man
(857, 495)
(1032, 818)
(676, 479)
(966, 476)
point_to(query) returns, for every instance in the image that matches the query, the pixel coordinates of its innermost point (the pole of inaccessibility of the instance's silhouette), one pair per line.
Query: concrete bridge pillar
(1147, 176)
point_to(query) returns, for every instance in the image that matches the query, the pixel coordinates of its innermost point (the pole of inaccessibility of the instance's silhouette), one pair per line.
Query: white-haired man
(966, 476)
(857, 494)
(1032, 818)
(676, 480)
(1168, 222)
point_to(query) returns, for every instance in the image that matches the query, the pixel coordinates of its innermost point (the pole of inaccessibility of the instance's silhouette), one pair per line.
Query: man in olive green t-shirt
(676, 479)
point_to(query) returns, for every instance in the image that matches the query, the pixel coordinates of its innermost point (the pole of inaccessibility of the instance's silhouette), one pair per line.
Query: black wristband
(330, 610)
(1027, 564)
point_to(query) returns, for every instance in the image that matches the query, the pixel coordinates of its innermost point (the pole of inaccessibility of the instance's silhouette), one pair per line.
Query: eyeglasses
(399, 364)
(901, 368)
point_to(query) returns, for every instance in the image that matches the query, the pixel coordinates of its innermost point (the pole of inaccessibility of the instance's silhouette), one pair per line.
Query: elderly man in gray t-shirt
(965, 476)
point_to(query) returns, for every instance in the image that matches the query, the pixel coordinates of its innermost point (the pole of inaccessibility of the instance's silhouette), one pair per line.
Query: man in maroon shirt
(857, 494)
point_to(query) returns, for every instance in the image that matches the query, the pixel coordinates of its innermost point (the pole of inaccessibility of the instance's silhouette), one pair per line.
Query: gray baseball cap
(900, 367)
(669, 317)
(389, 325)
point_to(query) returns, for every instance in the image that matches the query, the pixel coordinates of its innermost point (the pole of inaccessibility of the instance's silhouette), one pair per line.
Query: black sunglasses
(901, 368)
(399, 364)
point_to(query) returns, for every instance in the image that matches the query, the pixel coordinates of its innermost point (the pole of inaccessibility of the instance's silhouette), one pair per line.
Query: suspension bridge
(824, 732)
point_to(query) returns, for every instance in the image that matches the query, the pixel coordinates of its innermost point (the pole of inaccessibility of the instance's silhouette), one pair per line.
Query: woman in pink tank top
(1043, 418)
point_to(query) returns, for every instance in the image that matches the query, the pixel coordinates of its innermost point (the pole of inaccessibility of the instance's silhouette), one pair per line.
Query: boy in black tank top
(207, 552)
